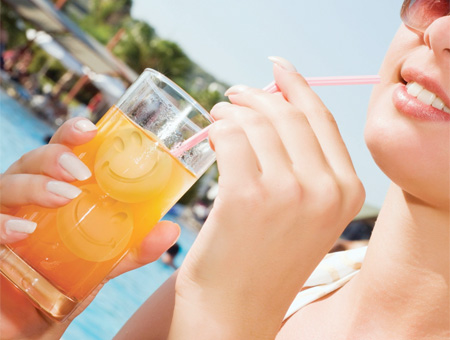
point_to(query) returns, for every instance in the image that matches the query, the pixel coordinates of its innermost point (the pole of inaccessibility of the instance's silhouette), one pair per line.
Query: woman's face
(408, 138)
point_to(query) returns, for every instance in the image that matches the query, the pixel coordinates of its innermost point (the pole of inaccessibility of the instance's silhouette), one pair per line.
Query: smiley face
(94, 226)
(130, 167)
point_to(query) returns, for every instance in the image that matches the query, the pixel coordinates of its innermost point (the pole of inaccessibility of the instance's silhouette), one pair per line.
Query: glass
(135, 181)
(419, 14)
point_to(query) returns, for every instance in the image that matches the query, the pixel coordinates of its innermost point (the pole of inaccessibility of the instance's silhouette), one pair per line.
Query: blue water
(20, 132)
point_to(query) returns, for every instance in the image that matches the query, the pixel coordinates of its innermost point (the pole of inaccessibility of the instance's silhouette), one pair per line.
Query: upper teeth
(426, 97)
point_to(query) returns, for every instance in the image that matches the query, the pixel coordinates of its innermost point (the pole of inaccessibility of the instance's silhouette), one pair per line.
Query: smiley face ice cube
(94, 226)
(130, 167)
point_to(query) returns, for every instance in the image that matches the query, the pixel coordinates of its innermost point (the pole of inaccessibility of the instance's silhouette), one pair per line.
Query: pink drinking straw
(272, 88)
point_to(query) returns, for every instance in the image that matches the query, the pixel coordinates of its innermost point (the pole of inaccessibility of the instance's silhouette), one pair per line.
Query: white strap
(335, 270)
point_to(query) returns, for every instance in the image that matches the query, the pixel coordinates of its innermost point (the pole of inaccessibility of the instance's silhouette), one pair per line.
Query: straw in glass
(272, 88)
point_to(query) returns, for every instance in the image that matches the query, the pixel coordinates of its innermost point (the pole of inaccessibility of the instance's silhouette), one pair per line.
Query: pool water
(20, 132)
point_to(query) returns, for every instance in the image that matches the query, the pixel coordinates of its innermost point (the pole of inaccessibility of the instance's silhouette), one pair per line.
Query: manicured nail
(283, 63)
(74, 166)
(19, 226)
(235, 89)
(85, 125)
(63, 189)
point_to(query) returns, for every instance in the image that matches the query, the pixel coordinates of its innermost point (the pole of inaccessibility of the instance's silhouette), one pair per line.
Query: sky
(232, 39)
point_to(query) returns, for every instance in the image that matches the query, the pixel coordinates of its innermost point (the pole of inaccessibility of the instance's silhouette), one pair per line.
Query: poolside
(21, 132)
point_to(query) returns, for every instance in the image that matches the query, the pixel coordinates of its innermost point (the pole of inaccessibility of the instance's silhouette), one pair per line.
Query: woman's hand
(42, 177)
(287, 190)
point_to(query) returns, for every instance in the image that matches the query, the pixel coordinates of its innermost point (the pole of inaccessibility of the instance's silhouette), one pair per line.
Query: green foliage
(111, 12)
(55, 71)
(139, 47)
(140, 31)
(133, 47)
(208, 99)
(39, 58)
(10, 22)
(105, 18)
(100, 31)
(168, 58)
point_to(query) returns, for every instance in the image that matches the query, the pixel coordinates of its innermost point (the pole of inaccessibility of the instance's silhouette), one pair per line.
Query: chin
(416, 157)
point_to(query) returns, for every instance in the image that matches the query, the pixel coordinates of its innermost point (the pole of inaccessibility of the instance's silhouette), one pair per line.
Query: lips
(411, 106)
(423, 97)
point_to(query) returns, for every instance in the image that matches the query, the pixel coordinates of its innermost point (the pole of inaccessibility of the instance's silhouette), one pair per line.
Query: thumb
(161, 237)
(158, 240)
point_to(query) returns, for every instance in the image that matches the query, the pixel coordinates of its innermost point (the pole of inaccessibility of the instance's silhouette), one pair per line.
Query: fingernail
(283, 63)
(63, 189)
(85, 125)
(19, 226)
(235, 89)
(74, 166)
(219, 105)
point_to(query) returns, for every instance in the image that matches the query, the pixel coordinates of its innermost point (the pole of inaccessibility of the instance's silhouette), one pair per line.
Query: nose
(437, 38)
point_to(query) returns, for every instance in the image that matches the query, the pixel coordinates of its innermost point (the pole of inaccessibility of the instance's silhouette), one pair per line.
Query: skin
(24, 183)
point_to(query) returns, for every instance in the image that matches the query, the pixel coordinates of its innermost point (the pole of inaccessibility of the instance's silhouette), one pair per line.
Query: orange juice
(135, 182)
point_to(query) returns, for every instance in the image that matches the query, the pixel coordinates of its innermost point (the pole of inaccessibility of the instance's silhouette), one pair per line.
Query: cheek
(414, 155)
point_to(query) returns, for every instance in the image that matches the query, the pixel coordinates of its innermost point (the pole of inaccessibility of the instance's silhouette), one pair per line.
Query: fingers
(25, 189)
(309, 135)
(75, 131)
(13, 229)
(161, 237)
(290, 124)
(307, 128)
(261, 135)
(54, 160)
(231, 143)
(296, 90)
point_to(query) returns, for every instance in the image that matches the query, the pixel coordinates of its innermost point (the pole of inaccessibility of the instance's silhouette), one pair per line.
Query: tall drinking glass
(136, 180)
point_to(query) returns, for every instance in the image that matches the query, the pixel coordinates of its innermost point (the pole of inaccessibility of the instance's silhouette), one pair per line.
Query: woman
(259, 245)
(402, 290)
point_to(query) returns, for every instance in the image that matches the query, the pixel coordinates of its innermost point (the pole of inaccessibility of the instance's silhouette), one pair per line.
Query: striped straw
(272, 88)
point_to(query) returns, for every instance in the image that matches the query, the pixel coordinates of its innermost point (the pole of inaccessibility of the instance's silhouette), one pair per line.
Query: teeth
(438, 103)
(414, 89)
(426, 97)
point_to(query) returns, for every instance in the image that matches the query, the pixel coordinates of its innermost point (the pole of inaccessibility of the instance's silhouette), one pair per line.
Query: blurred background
(68, 58)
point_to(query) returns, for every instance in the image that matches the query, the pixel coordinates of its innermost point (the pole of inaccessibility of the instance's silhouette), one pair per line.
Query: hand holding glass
(136, 180)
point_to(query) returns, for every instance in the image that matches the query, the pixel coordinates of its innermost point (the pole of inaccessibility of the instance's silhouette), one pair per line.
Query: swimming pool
(20, 132)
